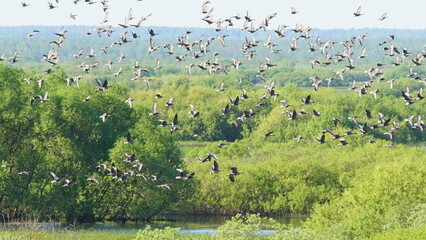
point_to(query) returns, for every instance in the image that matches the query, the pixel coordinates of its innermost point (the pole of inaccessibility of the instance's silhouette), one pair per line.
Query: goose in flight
(157, 64)
(407, 98)
(221, 88)
(204, 7)
(193, 112)
(138, 165)
(335, 135)
(51, 6)
(374, 93)
(215, 167)
(27, 80)
(420, 94)
(315, 113)
(91, 54)
(316, 85)
(384, 16)
(293, 46)
(41, 98)
(151, 32)
(129, 101)
(163, 123)
(291, 115)
(284, 104)
(307, 100)
(174, 124)
(79, 53)
(143, 19)
(389, 134)
(181, 173)
(368, 114)
(234, 173)
(170, 50)
(184, 176)
(105, 20)
(104, 116)
(7, 165)
(169, 102)
(293, 10)
(142, 176)
(125, 24)
(31, 34)
(231, 177)
(148, 82)
(87, 98)
(24, 4)
(103, 86)
(321, 140)
(395, 126)
(362, 55)
(358, 12)
(382, 120)
(269, 134)
(158, 96)
(225, 110)
(154, 109)
(130, 14)
(14, 58)
(298, 138)
(103, 166)
(93, 180)
(208, 157)
(235, 102)
(68, 182)
(166, 186)
(120, 70)
(55, 178)
(120, 58)
(129, 139)
(342, 142)
(152, 47)
(337, 120)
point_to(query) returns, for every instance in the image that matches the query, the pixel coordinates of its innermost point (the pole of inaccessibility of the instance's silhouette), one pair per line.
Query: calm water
(187, 224)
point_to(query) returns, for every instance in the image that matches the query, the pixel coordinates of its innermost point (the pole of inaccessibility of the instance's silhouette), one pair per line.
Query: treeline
(236, 34)
(52, 130)
(280, 176)
(31, 49)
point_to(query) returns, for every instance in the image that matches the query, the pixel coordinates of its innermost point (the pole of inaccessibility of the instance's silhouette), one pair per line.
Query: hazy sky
(324, 14)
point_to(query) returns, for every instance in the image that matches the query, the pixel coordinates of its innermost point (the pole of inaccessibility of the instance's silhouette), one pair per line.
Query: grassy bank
(42, 235)
(241, 227)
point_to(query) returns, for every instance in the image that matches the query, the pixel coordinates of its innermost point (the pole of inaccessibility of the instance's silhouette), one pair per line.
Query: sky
(320, 14)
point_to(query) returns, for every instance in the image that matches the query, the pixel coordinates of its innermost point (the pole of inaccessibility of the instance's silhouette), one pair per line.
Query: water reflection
(187, 225)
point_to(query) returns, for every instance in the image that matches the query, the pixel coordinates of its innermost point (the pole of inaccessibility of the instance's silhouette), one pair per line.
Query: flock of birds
(201, 48)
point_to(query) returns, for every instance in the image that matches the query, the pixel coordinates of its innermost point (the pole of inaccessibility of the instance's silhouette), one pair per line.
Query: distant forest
(292, 66)
(234, 34)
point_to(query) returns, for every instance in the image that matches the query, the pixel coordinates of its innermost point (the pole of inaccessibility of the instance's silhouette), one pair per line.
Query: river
(187, 224)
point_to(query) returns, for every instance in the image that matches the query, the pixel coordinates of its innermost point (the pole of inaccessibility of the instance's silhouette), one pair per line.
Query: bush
(386, 196)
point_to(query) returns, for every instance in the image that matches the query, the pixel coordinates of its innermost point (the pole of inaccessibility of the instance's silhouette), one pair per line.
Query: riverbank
(250, 226)
(44, 235)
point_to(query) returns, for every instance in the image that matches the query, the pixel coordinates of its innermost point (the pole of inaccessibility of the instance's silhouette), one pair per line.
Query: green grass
(42, 235)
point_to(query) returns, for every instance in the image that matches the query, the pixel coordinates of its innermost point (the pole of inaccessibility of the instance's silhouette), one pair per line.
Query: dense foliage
(66, 136)
(372, 187)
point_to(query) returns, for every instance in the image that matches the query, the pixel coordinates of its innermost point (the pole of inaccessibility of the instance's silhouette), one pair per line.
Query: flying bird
(384, 16)
(358, 12)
